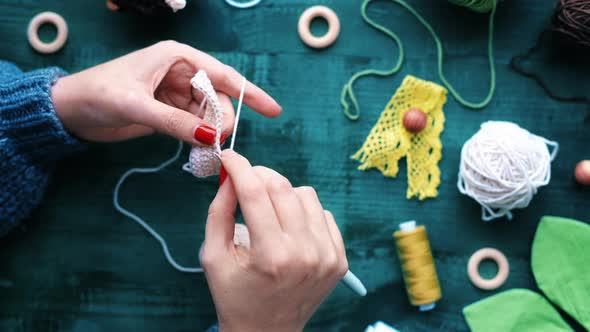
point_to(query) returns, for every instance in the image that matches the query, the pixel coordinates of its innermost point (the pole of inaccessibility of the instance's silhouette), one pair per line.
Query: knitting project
(205, 160)
(389, 141)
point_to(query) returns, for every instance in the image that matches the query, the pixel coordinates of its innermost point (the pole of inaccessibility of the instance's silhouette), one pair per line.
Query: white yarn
(176, 4)
(205, 160)
(379, 326)
(140, 221)
(242, 5)
(502, 166)
(239, 237)
(238, 112)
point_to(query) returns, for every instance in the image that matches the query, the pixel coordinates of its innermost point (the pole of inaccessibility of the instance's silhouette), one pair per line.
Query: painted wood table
(78, 265)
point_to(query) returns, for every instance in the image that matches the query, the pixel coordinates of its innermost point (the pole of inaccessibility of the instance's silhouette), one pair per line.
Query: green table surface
(78, 265)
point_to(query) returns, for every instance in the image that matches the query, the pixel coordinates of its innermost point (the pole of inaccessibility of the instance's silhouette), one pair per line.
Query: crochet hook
(354, 283)
(349, 278)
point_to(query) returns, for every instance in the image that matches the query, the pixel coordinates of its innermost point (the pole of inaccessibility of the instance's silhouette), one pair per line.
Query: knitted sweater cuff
(29, 121)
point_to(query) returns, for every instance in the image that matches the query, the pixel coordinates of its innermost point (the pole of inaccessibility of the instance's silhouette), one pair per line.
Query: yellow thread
(389, 141)
(418, 267)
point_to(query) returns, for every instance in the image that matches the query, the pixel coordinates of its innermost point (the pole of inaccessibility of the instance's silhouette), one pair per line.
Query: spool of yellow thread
(413, 249)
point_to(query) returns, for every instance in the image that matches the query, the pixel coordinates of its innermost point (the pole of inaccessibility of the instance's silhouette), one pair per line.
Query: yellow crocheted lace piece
(389, 141)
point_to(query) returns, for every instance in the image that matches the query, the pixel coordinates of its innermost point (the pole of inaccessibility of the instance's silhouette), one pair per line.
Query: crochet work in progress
(389, 141)
(205, 160)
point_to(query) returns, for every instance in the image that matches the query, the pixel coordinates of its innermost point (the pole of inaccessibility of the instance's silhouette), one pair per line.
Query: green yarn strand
(348, 87)
(455, 94)
(482, 6)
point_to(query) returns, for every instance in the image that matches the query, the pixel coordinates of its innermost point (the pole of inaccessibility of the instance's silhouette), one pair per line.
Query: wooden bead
(415, 120)
(112, 6)
(582, 172)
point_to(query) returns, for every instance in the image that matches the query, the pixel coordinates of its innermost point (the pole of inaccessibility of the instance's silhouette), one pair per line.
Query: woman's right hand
(296, 255)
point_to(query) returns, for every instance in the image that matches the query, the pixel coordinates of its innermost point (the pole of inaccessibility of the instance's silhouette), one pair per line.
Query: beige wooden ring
(473, 268)
(60, 39)
(333, 26)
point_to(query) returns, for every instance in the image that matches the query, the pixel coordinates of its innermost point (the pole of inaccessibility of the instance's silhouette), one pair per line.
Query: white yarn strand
(140, 221)
(502, 167)
(242, 5)
(238, 112)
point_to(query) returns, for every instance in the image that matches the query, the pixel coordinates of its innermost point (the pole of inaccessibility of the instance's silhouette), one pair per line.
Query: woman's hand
(295, 259)
(149, 90)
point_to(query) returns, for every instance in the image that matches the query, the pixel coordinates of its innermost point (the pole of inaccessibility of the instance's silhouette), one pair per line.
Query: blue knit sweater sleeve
(32, 140)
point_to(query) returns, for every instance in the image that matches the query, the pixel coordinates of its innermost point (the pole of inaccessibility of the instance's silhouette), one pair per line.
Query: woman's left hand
(149, 90)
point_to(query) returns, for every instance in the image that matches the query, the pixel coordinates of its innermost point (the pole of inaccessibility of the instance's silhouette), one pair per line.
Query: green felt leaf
(561, 265)
(516, 310)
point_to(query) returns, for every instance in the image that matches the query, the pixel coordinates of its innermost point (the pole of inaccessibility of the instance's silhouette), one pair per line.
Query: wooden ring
(304, 26)
(112, 6)
(60, 39)
(473, 268)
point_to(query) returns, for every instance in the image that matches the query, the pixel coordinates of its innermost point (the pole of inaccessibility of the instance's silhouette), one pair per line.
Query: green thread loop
(481, 6)
(348, 87)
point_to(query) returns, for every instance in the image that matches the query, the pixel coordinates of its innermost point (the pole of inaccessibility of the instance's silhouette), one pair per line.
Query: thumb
(177, 123)
(219, 232)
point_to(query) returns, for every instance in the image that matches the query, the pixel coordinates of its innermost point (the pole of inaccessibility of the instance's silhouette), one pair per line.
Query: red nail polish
(223, 138)
(205, 134)
(222, 175)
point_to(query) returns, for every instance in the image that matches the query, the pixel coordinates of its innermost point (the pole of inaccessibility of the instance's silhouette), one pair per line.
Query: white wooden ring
(33, 32)
(304, 26)
(473, 268)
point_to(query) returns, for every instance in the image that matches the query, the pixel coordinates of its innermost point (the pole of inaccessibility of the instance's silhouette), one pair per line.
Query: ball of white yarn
(502, 166)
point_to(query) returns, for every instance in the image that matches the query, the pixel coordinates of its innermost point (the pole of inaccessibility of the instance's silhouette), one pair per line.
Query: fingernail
(223, 138)
(222, 175)
(205, 134)
(278, 105)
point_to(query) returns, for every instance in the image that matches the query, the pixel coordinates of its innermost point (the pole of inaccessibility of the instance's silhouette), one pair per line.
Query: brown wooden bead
(415, 120)
(582, 172)
(112, 6)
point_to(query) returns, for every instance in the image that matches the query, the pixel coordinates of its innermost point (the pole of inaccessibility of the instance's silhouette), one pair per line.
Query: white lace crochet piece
(202, 161)
(176, 4)
(205, 160)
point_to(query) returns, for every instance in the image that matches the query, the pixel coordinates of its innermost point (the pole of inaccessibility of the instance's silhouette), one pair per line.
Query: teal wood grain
(77, 265)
